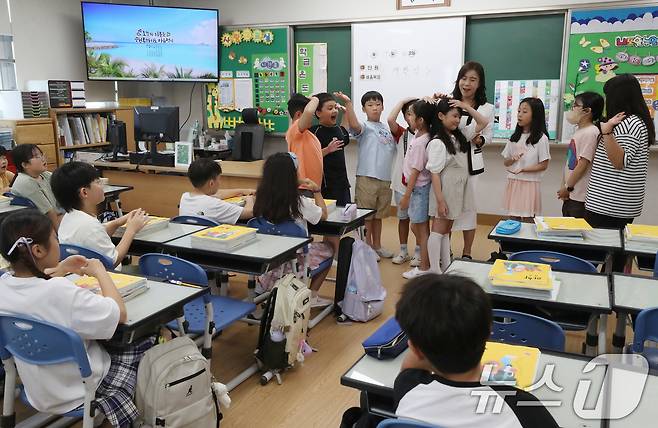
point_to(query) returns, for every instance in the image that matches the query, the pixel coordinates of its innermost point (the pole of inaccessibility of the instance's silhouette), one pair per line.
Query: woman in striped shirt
(619, 172)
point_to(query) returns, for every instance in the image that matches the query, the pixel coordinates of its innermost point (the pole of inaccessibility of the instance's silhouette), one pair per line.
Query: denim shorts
(419, 204)
(402, 214)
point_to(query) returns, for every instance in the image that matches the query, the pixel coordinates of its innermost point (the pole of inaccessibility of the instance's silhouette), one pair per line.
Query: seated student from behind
(78, 190)
(35, 288)
(448, 321)
(302, 142)
(6, 176)
(206, 198)
(33, 180)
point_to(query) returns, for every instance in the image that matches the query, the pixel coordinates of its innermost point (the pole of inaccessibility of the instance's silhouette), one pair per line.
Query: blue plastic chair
(42, 343)
(66, 250)
(225, 310)
(19, 200)
(558, 261)
(288, 228)
(655, 267)
(525, 329)
(404, 423)
(646, 328)
(195, 220)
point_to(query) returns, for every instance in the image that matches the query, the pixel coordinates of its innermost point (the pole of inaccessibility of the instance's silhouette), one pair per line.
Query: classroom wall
(55, 51)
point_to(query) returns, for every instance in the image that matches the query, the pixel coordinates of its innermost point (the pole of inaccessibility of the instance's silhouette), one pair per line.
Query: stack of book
(561, 227)
(153, 224)
(66, 94)
(523, 279)
(4, 201)
(513, 365)
(223, 237)
(642, 233)
(331, 205)
(75, 130)
(236, 200)
(129, 286)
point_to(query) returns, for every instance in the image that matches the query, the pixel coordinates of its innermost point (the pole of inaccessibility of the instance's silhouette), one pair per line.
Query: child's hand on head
(458, 103)
(341, 107)
(341, 96)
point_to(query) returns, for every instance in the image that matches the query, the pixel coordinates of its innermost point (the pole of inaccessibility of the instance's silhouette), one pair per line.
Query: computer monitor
(156, 124)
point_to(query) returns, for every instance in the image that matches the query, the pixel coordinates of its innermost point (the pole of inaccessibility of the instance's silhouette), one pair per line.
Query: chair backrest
(286, 228)
(19, 200)
(404, 423)
(558, 261)
(248, 141)
(524, 329)
(66, 250)
(646, 328)
(170, 268)
(195, 220)
(42, 343)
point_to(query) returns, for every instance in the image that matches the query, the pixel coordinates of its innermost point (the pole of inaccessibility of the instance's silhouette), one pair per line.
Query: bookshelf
(37, 131)
(86, 128)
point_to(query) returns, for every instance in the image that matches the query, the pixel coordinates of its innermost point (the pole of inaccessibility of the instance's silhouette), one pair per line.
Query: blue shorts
(419, 204)
(402, 214)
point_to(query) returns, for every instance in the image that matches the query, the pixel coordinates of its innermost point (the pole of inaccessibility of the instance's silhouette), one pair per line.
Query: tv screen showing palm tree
(125, 42)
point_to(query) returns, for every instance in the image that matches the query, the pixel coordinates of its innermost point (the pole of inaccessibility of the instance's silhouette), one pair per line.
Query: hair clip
(20, 241)
(295, 161)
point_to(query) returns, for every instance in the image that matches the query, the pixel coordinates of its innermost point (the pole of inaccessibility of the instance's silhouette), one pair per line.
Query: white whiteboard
(406, 58)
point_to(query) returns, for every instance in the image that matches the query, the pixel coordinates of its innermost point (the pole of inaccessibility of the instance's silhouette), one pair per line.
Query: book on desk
(641, 233)
(129, 286)
(565, 227)
(523, 279)
(223, 237)
(153, 224)
(236, 200)
(4, 201)
(513, 365)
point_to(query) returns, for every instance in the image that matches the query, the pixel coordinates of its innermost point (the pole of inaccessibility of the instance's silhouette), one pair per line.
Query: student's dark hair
(481, 91)
(448, 318)
(203, 169)
(623, 94)
(277, 197)
(3, 151)
(23, 153)
(371, 96)
(68, 179)
(297, 102)
(537, 125)
(594, 102)
(323, 97)
(408, 104)
(28, 223)
(437, 130)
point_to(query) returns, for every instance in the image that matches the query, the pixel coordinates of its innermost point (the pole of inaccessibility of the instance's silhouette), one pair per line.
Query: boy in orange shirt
(303, 142)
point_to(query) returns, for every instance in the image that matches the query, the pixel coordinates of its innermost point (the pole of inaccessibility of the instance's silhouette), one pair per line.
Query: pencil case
(387, 342)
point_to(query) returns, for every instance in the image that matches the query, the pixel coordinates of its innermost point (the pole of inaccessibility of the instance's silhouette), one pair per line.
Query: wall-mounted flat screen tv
(126, 42)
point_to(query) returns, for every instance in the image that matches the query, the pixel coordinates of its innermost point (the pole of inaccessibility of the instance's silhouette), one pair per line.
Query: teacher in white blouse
(470, 88)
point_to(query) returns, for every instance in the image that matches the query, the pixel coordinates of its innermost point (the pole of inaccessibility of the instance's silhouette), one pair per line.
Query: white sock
(434, 250)
(445, 252)
(417, 251)
(403, 248)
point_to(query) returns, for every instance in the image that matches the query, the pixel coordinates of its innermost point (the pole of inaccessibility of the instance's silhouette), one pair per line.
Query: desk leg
(117, 202)
(608, 262)
(223, 283)
(603, 327)
(619, 337)
(591, 337)
(206, 350)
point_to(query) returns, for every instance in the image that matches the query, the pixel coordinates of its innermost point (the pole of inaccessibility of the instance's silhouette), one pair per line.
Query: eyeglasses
(41, 156)
(578, 105)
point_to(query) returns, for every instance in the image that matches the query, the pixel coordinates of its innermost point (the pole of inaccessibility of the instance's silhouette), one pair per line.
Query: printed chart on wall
(254, 73)
(390, 58)
(606, 42)
(311, 73)
(508, 95)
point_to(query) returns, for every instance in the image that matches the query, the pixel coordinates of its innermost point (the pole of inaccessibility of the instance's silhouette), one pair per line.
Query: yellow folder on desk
(507, 364)
(128, 285)
(642, 232)
(519, 274)
(561, 223)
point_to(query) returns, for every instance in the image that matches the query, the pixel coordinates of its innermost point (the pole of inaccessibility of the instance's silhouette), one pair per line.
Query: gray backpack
(174, 387)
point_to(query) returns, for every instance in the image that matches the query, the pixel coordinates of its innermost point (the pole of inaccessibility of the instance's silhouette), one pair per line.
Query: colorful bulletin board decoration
(508, 95)
(607, 42)
(255, 73)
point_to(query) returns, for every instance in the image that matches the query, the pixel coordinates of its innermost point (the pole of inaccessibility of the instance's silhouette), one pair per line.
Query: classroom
(354, 214)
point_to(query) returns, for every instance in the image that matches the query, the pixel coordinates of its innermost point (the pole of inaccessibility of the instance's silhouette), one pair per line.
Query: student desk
(586, 292)
(5, 211)
(112, 193)
(645, 253)
(631, 294)
(376, 377)
(598, 246)
(152, 242)
(646, 413)
(334, 225)
(256, 257)
(158, 188)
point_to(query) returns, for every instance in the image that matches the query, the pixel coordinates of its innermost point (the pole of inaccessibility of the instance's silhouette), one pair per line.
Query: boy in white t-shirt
(206, 200)
(78, 190)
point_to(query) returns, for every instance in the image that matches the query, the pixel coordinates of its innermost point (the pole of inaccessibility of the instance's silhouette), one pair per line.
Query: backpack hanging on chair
(364, 293)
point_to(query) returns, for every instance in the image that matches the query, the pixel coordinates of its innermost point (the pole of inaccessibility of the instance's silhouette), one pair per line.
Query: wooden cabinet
(66, 145)
(38, 131)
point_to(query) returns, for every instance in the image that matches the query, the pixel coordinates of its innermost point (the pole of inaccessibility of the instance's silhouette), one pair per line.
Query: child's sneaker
(320, 302)
(415, 261)
(413, 273)
(384, 253)
(403, 257)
